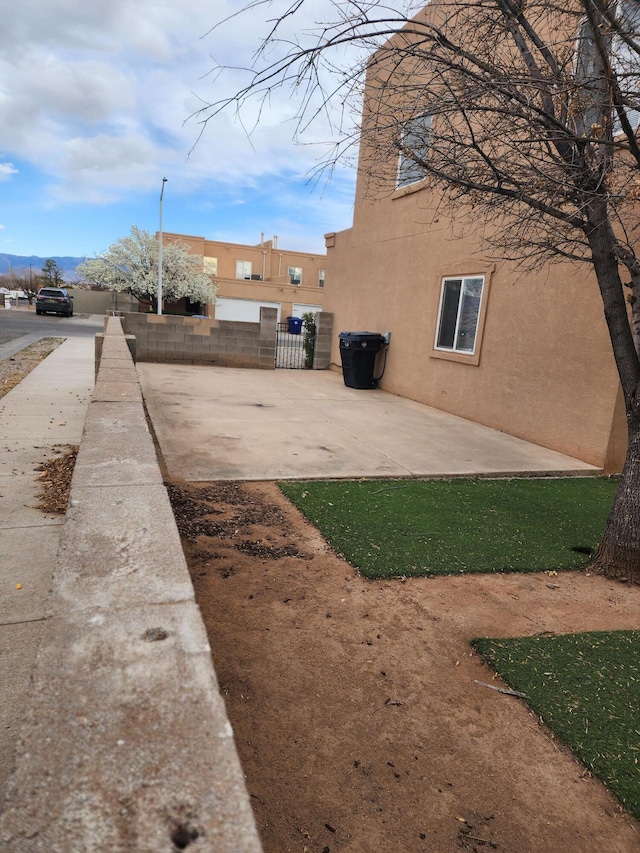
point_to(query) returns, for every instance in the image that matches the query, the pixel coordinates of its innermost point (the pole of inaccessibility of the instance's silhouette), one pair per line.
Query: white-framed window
(414, 148)
(320, 278)
(458, 315)
(626, 62)
(592, 98)
(295, 275)
(243, 270)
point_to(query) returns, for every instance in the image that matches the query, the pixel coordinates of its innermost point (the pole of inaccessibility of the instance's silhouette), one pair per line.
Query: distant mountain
(21, 263)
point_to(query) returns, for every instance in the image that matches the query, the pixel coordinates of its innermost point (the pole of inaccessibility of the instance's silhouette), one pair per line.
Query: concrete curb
(126, 744)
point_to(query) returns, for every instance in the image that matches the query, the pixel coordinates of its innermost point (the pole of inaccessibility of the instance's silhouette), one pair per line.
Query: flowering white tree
(130, 265)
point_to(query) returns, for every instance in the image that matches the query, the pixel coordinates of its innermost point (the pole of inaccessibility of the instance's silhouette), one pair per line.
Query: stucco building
(527, 353)
(264, 275)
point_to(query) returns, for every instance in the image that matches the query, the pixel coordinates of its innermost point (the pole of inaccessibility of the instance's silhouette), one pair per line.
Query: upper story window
(626, 61)
(459, 313)
(295, 275)
(320, 278)
(592, 105)
(243, 269)
(414, 148)
(589, 109)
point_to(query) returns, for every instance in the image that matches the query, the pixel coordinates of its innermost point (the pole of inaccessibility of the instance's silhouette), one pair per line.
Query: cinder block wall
(324, 334)
(126, 744)
(190, 340)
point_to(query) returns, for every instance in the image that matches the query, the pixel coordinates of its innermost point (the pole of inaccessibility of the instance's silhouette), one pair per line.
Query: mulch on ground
(55, 480)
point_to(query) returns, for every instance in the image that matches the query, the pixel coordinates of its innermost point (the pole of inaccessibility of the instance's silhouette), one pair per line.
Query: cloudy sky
(95, 105)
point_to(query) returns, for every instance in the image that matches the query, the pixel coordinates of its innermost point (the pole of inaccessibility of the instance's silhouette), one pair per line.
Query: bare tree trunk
(618, 555)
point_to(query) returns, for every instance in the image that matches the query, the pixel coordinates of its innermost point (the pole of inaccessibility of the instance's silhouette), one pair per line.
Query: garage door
(299, 309)
(245, 310)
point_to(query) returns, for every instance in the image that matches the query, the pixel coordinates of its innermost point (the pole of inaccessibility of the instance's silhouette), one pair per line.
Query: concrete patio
(221, 423)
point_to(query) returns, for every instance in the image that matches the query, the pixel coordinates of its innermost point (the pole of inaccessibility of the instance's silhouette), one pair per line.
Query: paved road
(20, 327)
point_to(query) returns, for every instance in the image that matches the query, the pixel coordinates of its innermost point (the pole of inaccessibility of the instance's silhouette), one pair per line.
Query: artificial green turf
(586, 688)
(394, 528)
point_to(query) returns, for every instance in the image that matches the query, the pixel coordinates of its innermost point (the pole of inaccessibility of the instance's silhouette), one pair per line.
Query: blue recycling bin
(295, 325)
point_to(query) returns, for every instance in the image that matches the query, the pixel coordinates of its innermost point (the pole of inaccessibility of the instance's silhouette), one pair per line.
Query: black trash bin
(358, 352)
(295, 325)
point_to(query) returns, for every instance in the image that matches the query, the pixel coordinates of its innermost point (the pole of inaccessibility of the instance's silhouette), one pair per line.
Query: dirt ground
(357, 716)
(14, 369)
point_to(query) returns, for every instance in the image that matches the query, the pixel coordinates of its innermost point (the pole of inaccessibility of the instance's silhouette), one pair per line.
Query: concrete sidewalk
(46, 410)
(216, 423)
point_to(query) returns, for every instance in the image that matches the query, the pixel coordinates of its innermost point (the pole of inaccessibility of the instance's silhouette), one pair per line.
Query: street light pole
(164, 181)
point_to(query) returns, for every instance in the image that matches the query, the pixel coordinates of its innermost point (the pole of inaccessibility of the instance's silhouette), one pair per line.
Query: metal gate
(291, 352)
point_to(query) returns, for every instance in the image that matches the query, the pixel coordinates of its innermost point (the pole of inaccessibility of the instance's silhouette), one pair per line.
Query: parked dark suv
(54, 300)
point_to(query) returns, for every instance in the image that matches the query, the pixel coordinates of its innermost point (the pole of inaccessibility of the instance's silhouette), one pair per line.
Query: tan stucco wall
(543, 368)
(544, 371)
(267, 260)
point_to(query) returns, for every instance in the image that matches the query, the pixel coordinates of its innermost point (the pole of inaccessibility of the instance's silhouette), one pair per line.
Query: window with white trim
(626, 62)
(459, 313)
(414, 149)
(243, 270)
(588, 108)
(295, 275)
(592, 104)
(320, 278)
